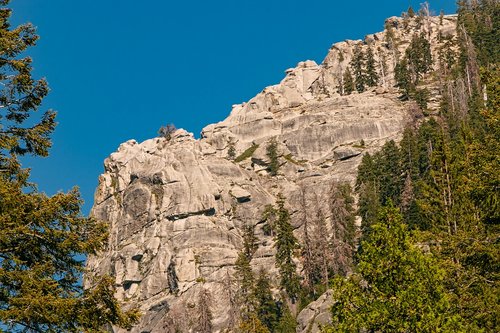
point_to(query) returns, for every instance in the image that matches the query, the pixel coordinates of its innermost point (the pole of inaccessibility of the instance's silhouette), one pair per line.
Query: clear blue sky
(120, 69)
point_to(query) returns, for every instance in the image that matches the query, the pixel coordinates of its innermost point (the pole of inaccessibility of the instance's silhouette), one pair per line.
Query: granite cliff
(177, 206)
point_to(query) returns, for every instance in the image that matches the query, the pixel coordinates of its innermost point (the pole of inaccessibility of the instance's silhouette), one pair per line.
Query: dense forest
(428, 259)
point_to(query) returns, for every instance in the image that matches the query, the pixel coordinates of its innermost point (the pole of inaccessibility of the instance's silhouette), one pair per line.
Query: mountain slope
(178, 207)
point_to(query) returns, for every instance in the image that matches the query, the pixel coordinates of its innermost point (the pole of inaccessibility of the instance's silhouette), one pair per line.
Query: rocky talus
(177, 207)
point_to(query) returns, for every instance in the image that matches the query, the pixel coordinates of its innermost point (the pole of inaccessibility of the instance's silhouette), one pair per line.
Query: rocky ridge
(177, 207)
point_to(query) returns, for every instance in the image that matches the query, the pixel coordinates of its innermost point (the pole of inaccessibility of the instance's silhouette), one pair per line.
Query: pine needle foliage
(444, 176)
(395, 288)
(286, 244)
(43, 240)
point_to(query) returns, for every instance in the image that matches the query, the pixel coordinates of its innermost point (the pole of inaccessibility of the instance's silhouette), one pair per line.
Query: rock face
(177, 208)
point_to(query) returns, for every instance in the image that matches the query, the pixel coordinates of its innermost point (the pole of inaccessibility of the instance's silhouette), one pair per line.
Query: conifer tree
(249, 241)
(371, 76)
(419, 57)
(286, 244)
(411, 12)
(403, 79)
(358, 65)
(287, 323)
(396, 288)
(409, 153)
(347, 83)
(42, 239)
(267, 308)
(367, 186)
(252, 324)
(383, 66)
(391, 181)
(244, 273)
(246, 279)
(389, 35)
(231, 150)
(272, 154)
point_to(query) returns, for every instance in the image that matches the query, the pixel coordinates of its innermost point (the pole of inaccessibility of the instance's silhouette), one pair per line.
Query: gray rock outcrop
(177, 207)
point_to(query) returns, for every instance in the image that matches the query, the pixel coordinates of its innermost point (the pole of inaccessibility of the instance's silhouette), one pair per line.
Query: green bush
(247, 153)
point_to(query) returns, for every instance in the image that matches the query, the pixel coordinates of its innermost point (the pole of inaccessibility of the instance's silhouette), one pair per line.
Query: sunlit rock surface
(177, 207)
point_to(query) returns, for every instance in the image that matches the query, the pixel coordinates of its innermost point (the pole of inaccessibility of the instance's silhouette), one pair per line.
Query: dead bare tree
(343, 229)
(205, 316)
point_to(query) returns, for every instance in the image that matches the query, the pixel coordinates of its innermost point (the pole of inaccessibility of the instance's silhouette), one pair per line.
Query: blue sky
(120, 69)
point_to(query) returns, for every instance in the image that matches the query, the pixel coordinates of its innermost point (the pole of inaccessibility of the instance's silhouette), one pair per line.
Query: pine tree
(389, 35)
(347, 83)
(317, 254)
(391, 181)
(411, 12)
(368, 188)
(358, 65)
(287, 323)
(252, 324)
(267, 309)
(371, 76)
(419, 57)
(272, 154)
(245, 279)
(369, 205)
(286, 244)
(231, 150)
(244, 274)
(249, 241)
(409, 153)
(310, 265)
(403, 79)
(396, 288)
(383, 66)
(42, 239)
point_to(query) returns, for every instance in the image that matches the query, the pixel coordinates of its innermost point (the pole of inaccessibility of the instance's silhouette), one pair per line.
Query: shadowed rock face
(177, 207)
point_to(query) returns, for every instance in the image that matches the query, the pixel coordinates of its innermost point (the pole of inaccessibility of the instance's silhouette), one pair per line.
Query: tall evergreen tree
(367, 186)
(403, 79)
(419, 57)
(42, 239)
(246, 280)
(371, 76)
(286, 244)
(287, 323)
(391, 180)
(357, 66)
(267, 308)
(249, 241)
(347, 83)
(272, 154)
